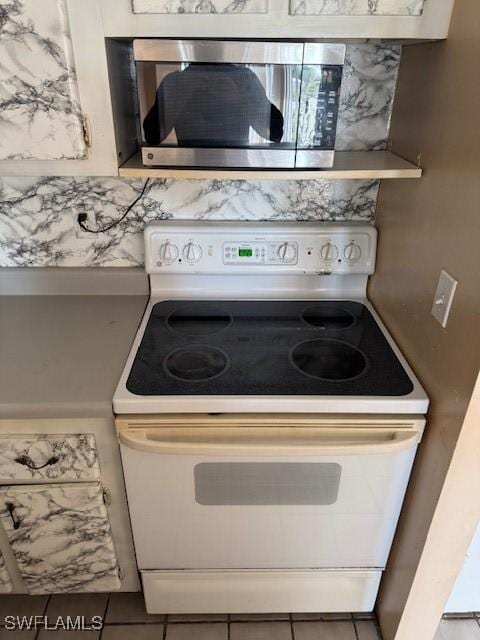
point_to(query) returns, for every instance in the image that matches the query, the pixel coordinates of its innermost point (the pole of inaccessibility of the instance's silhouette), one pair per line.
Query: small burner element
(198, 320)
(331, 360)
(327, 317)
(196, 363)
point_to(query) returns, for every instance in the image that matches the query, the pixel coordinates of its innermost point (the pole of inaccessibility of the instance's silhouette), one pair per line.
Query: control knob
(329, 252)
(192, 252)
(287, 252)
(352, 252)
(168, 252)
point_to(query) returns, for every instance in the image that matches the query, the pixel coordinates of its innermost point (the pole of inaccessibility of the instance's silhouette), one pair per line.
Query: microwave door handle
(296, 443)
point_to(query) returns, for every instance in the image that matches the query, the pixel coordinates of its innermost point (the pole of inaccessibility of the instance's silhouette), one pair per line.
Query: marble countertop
(62, 355)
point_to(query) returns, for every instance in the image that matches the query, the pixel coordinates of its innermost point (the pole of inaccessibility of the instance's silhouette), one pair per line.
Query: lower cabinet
(60, 537)
(5, 582)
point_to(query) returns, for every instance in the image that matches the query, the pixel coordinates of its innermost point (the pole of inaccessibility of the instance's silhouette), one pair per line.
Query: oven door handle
(269, 441)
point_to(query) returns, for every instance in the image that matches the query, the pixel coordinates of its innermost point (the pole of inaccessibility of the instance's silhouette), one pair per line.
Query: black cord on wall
(82, 217)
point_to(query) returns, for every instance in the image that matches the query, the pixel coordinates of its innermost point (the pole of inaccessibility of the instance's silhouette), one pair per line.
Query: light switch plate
(442, 302)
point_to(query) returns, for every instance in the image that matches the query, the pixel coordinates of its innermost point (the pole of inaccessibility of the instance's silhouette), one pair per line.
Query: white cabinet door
(60, 536)
(274, 19)
(54, 88)
(41, 117)
(200, 6)
(357, 7)
(5, 582)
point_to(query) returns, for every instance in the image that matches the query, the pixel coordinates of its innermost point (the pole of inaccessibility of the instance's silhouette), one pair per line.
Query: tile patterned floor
(125, 618)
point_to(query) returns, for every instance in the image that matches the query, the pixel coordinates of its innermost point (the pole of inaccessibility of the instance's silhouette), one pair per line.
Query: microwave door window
(218, 105)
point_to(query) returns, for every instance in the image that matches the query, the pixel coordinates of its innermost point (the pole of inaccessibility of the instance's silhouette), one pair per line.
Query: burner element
(328, 317)
(198, 320)
(330, 360)
(196, 363)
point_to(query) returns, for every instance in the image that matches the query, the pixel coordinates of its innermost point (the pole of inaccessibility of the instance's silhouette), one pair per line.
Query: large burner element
(327, 317)
(196, 363)
(198, 320)
(330, 360)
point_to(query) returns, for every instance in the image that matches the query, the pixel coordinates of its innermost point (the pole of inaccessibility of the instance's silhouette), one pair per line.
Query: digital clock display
(245, 253)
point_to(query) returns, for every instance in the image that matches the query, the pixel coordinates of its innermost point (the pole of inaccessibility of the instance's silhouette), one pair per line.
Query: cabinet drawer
(5, 582)
(43, 458)
(200, 6)
(60, 537)
(356, 7)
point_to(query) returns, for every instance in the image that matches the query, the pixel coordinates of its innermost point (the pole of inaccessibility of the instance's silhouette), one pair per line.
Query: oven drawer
(260, 591)
(47, 458)
(265, 498)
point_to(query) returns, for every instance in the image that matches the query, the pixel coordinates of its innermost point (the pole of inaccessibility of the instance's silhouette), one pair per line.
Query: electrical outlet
(90, 221)
(442, 302)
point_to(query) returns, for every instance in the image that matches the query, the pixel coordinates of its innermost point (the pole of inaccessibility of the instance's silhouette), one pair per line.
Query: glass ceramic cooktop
(265, 348)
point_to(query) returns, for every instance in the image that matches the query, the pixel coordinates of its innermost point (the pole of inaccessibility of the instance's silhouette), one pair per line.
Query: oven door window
(267, 483)
(219, 105)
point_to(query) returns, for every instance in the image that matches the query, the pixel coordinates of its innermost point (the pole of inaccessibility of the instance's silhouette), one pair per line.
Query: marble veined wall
(38, 215)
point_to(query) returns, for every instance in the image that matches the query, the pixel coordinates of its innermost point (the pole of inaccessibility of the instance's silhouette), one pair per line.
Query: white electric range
(267, 421)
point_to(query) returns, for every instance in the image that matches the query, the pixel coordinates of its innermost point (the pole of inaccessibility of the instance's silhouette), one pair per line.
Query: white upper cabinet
(39, 101)
(357, 7)
(200, 6)
(271, 19)
(54, 92)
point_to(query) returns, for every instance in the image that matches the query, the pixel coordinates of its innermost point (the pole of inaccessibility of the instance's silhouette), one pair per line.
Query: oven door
(238, 104)
(253, 497)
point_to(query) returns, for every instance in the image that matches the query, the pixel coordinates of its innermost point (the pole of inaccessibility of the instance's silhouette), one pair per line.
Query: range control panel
(260, 253)
(250, 247)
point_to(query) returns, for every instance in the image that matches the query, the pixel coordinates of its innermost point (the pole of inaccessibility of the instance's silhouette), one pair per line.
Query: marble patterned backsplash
(38, 215)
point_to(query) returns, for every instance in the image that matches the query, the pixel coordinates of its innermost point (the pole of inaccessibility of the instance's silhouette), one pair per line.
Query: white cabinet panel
(5, 582)
(60, 536)
(200, 6)
(283, 19)
(48, 458)
(357, 7)
(40, 110)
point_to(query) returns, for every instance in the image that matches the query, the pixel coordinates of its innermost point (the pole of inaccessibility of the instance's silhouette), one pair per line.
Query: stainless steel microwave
(210, 103)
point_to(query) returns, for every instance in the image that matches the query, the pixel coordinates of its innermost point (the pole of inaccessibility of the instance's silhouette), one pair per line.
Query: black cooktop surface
(265, 348)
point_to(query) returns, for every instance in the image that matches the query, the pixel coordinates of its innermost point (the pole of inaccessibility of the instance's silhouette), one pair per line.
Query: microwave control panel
(290, 248)
(328, 100)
